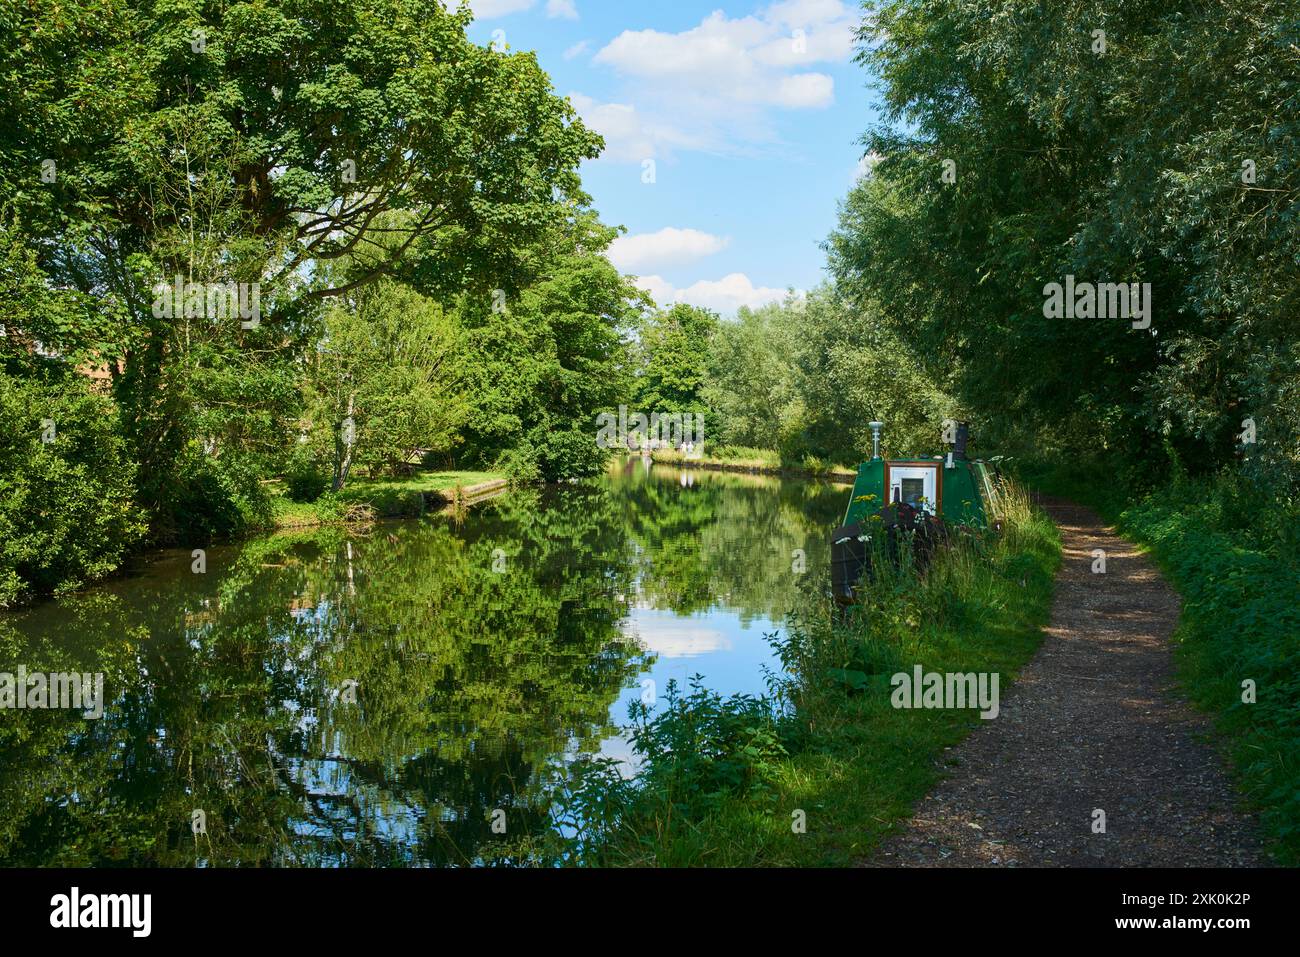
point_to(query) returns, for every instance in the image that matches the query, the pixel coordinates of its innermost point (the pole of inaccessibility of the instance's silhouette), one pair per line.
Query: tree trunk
(344, 440)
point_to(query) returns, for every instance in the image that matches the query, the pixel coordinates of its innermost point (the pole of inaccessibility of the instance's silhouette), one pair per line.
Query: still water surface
(482, 651)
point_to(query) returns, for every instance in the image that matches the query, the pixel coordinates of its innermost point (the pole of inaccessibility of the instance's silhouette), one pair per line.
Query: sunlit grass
(742, 457)
(391, 497)
(362, 489)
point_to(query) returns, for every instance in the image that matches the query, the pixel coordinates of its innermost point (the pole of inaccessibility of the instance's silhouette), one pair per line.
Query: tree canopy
(1145, 142)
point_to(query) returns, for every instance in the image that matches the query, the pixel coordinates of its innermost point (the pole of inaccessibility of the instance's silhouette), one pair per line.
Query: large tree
(807, 375)
(749, 387)
(1149, 142)
(672, 360)
(543, 364)
(254, 142)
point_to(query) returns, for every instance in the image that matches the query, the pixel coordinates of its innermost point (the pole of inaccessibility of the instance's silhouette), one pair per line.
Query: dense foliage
(807, 376)
(543, 364)
(1019, 147)
(1089, 142)
(382, 385)
(67, 514)
(412, 265)
(672, 361)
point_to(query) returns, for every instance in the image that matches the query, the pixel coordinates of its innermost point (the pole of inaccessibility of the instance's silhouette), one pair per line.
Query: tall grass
(742, 457)
(734, 456)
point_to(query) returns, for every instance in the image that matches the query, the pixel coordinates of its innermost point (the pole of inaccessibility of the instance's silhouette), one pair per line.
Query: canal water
(343, 698)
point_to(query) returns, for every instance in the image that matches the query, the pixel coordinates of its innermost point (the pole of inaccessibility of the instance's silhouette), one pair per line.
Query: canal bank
(760, 462)
(366, 500)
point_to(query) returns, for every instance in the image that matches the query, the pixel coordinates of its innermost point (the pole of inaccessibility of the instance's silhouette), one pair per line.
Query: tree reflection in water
(228, 692)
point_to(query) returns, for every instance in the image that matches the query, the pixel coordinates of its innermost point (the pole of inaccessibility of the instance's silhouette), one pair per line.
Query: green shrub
(330, 507)
(213, 497)
(67, 508)
(704, 747)
(1240, 622)
(305, 479)
(554, 452)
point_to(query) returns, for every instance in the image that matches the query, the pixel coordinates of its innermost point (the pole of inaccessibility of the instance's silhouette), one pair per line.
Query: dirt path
(1092, 723)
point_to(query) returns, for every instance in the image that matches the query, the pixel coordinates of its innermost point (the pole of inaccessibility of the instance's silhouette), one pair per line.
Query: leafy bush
(67, 508)
(553, 452)
(213, 497)
(743, 455)
(701, 751)
(305, 479)
(704, 747)
(1240, 622)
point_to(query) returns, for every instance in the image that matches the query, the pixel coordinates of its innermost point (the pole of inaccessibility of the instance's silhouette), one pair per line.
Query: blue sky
(750, 111)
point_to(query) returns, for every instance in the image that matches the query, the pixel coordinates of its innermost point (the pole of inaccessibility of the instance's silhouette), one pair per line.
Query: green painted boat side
(868, 491)
(966, 495)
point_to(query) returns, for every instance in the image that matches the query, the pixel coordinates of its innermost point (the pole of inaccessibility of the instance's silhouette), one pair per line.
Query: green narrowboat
(920, 499)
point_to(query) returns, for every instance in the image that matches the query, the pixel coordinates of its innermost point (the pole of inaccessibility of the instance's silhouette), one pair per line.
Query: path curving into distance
(1093, 722)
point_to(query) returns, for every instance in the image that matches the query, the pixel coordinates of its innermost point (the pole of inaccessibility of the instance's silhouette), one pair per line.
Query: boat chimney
(959, 442)
(875, 438)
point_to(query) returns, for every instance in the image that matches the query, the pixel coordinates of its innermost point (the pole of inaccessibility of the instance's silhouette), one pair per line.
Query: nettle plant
(701, 747)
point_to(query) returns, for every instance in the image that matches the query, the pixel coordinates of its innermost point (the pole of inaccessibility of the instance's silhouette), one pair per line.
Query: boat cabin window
(917, 485)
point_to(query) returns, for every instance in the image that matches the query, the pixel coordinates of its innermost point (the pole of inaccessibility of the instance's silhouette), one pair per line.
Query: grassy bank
(381, 497)
(754, 460)
(1234, 557)
(723, 781)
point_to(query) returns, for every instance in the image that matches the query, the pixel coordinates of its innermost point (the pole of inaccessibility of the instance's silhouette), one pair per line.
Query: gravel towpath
(1094, 723)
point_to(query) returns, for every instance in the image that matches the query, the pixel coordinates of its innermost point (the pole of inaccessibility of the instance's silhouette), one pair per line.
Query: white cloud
(785, 35)
(725, 295)
(661, 290)
(630, 136)
(578, 49)
(562, 9)
(718, 82)
(678, 639)
(736, 62)
(668, 247)
(866, 165)
(809, 13)
(717, 49)
(805, 90)
(487, 9)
